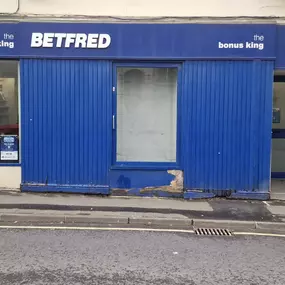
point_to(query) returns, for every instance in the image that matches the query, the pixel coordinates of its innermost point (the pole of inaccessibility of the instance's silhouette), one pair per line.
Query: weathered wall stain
(124, 182)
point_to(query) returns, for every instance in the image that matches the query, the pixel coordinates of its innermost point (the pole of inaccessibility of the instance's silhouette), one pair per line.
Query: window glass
(278, 155)
(279, 105)
(146, 114)
(9, 112)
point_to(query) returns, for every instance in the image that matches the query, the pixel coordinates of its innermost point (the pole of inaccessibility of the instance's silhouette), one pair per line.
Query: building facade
(139, 98)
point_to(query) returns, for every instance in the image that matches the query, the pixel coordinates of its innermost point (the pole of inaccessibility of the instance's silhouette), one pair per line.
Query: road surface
(116, 257)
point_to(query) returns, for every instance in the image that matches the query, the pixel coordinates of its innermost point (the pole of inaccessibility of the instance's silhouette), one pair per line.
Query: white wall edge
(110, 19)
(10, 178)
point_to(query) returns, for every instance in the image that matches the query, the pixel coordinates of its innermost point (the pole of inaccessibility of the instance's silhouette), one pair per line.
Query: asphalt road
(115, 257)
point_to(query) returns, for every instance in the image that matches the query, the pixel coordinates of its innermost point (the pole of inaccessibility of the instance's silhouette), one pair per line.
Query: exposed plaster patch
(177, 182)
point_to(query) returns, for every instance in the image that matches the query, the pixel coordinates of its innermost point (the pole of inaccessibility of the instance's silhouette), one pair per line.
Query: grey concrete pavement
(37, 257)
(90, 201)
(94, 218)
(53, 218)
(68, 208)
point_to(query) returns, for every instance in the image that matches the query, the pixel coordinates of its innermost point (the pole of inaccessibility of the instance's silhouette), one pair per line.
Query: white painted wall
(10, 177)
(8, 6)
(149, 8)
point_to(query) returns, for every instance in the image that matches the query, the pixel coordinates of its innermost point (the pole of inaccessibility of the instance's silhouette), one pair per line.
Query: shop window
(278, 155)
(9, 112)
(279, 105)
(146, 114)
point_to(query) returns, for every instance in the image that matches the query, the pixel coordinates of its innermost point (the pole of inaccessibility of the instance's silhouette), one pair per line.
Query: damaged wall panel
(144, 182)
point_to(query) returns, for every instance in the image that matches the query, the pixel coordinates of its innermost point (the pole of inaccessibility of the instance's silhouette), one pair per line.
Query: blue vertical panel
(226, 125)
(66, 125)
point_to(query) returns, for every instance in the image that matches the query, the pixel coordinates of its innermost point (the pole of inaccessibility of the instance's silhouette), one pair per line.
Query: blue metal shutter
(226, 125)
(66, 124)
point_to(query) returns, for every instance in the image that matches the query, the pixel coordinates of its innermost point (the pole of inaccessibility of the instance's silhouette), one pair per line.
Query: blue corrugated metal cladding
(225, 112)
(66, 125)
(226, 126)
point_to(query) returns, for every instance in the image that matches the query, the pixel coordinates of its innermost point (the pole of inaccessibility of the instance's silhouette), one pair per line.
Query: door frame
(278, 133)
(145, 165)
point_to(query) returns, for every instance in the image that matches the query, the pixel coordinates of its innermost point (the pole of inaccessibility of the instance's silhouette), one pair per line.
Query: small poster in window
(9, 148)
(276, 116)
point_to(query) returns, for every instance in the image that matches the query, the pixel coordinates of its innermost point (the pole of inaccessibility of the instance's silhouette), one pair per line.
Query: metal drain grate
(212, 232)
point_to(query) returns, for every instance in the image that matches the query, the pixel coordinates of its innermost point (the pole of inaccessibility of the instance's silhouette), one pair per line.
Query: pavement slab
(16, 198)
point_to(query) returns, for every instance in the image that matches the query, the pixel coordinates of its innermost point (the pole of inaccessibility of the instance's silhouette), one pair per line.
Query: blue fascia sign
(138, 41)
(280, 53)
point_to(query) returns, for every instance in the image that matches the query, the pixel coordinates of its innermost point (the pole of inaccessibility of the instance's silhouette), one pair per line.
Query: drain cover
(212, 232)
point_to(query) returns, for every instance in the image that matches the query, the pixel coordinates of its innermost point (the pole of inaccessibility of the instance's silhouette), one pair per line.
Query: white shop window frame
(145, 165)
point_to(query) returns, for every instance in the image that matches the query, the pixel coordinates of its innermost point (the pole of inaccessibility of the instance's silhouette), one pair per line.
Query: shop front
(176, 110)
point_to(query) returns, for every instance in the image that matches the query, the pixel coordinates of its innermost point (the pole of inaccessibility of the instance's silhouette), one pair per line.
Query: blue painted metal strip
(278, 175)
(152, 193)
(250, 195)
(278, 133)
(279, 78)
(85, 189)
